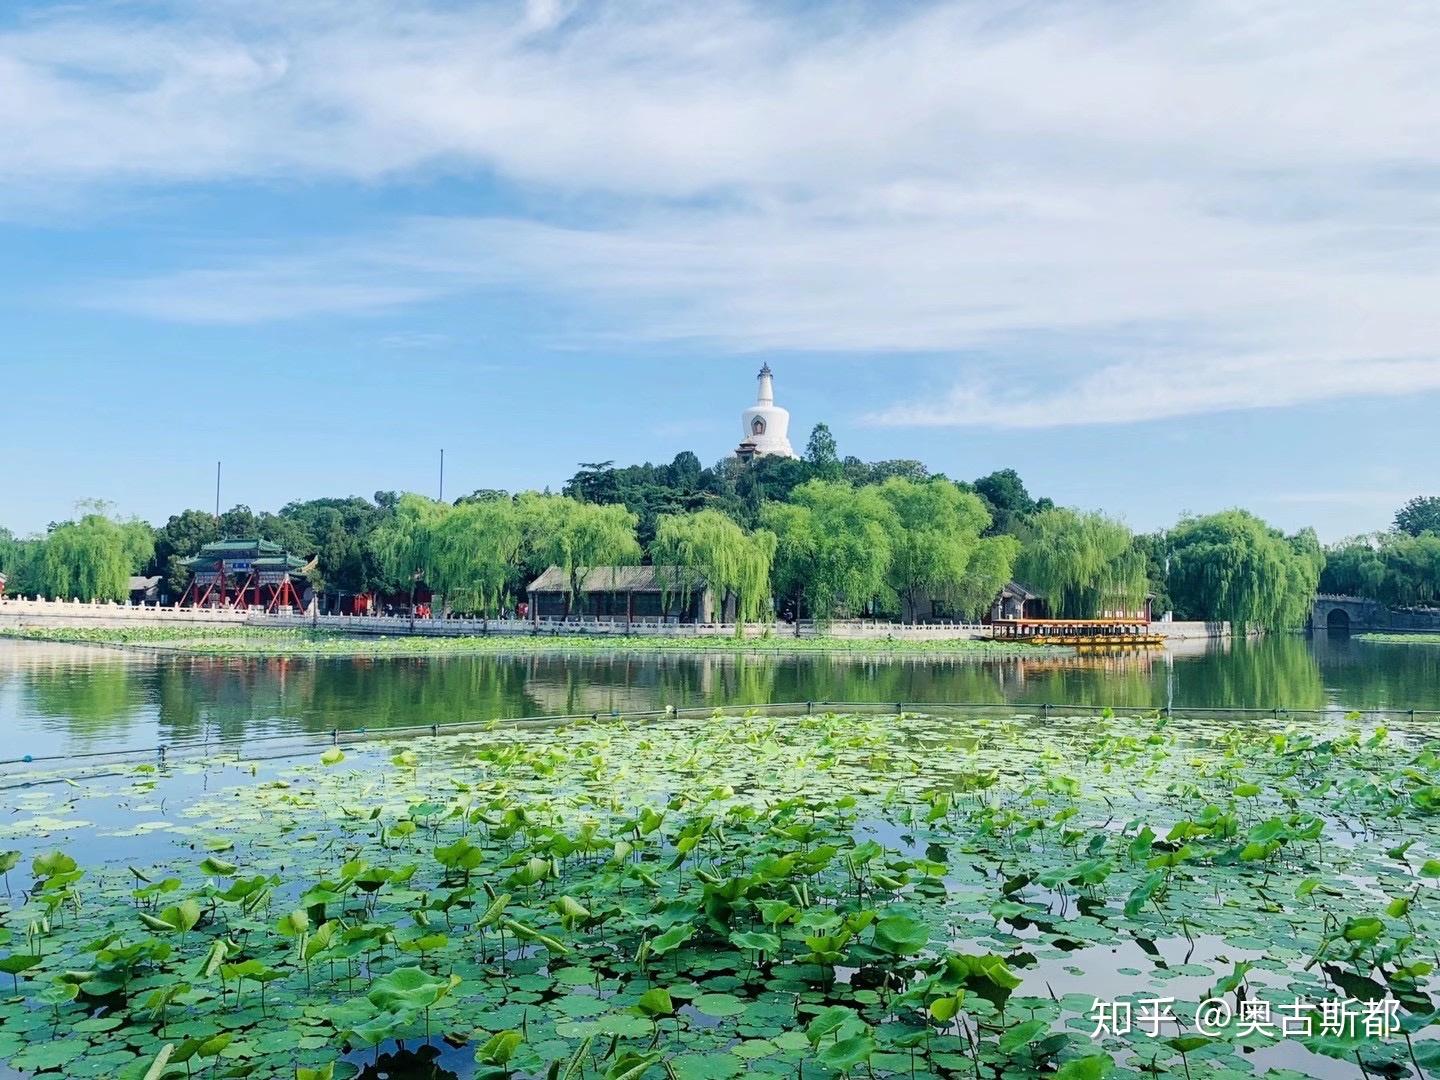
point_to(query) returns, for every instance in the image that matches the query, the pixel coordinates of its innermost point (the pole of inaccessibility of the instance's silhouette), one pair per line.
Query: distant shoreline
(261, 641)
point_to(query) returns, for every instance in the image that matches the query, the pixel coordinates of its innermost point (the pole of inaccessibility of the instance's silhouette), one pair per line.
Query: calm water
(61, 699)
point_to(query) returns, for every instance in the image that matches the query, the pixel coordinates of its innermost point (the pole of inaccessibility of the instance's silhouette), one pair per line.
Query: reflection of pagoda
(766, 425)
(244, 574)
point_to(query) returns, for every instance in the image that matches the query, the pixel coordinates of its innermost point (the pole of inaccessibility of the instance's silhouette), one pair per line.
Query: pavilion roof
(239, 547)
(620, 579)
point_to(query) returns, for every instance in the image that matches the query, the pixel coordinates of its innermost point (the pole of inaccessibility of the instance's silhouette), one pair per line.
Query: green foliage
(936, 548)
(833, 546)
(1009, 502)
(1005, 899)
(709, 547)
(576, 536)
(1397, 568)
(93, 558)
(1083, 563)
(1232, 566)
(1419, 516)
(406, 544)
(821, 453)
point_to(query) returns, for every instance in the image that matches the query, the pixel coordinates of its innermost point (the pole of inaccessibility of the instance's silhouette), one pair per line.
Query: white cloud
(1100, 212)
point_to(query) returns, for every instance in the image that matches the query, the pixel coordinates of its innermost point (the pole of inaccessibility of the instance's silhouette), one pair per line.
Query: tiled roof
(619, 579)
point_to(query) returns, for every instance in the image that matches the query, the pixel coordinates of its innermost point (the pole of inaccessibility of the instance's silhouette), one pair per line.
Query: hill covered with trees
(823, 534)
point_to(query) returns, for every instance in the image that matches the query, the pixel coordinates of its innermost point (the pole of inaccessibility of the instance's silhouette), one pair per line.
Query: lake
(62, 699)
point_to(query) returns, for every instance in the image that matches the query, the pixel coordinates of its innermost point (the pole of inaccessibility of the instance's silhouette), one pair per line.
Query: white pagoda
(766, 425)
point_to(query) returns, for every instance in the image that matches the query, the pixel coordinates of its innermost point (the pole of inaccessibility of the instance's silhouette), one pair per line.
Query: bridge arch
(1348, 614)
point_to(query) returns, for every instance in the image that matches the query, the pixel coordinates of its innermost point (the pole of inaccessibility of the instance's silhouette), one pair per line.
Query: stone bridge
(1344, 614)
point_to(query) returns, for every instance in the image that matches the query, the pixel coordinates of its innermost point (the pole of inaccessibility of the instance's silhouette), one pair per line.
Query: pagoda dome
(765, 426)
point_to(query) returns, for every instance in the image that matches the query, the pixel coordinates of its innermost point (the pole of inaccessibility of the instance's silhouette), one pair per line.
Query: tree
(936, 546)
(708, 548)
(239, 523)
(477, 545)
(1010, 504)
(94, 557)
(20, 561)
(1420, 515)
(560, 531)
(769, 478)
(1233, 566)
(1394, 568)
(685, 471)
(833, 546)
(178, 540)
(405, 544)
(336, 533)
(822, 454)
(1156, 549)
(1082, 563)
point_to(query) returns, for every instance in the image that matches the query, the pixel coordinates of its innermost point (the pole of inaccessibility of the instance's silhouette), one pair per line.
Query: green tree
(20, 561)
(936, 546)
(477, 547)
(177, 540)
(239, 523)
(1010, 503)
(1156, 549)
(93, 558)
(560, 531)
(1082, 563)
(707, 547)
(821, 453)
(336, 532)
(685, 471)
(1233, 566)
(833, 546)
(1420, 515)
(405, 544)
(1397, 568)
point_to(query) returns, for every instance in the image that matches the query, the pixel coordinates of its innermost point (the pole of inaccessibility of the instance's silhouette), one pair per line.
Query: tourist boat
(1078, 633)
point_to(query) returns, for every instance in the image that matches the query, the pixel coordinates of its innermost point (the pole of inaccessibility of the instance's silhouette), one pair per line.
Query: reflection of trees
(93, 694)
(1379, 675)
(90, 693)
(1275, 671)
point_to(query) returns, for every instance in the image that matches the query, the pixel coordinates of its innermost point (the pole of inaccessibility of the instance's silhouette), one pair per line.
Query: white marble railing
(19, 611)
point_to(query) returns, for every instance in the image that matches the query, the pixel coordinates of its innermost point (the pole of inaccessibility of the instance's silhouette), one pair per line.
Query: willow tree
(406, 544)
(94, 557)
(21, 561)
(937, 551)
(1233, 566)
(577, 537)
(475, 549)
(833, 546)
(709, 549)
(1083, 563)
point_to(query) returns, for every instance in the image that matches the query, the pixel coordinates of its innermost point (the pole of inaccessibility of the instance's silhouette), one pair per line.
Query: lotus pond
(868, 894)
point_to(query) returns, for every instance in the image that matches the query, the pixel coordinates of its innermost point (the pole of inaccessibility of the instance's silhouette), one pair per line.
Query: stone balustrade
(20, 611)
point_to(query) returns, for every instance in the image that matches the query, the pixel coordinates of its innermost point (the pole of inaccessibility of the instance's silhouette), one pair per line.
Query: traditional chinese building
(766, 425)
(621, 592)
(245, 574)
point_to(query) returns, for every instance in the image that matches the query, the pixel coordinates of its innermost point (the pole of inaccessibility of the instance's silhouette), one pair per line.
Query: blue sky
(1158, 260)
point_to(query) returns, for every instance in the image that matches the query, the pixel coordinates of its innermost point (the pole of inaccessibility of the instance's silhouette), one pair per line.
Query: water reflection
(55, 699)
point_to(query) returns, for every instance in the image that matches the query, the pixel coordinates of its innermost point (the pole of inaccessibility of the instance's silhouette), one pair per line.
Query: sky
(1160, 259)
